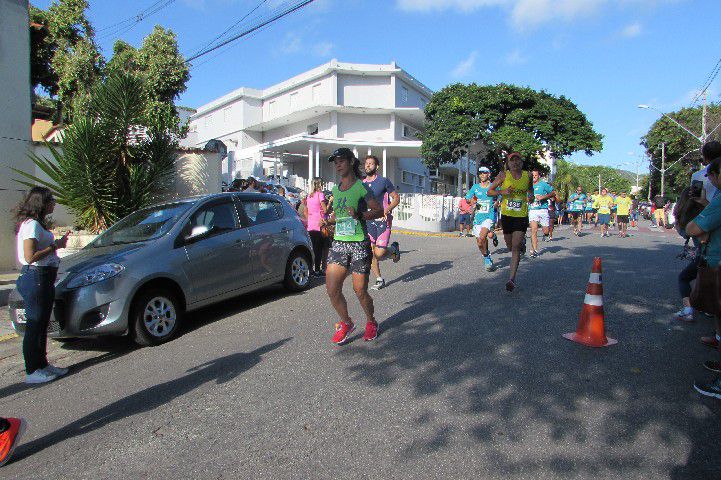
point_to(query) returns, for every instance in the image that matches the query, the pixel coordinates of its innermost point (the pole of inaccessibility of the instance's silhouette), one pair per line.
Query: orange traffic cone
(591, 330)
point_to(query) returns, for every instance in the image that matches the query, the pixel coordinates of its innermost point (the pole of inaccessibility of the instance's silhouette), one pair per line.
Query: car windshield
(146, 224)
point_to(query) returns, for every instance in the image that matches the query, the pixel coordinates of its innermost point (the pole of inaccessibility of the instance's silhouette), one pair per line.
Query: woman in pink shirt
(317, 206)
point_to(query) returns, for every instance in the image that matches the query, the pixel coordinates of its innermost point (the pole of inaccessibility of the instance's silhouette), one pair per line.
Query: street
(464, 381)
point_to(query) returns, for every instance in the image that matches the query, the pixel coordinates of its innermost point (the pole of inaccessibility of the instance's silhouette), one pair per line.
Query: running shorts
(540, 216)
(604, 218)
(514, 224)
(379, 232)
(464, 218)
(659, 214)
(575, 215)
(622, 218)
(487, 224)
(353, 256)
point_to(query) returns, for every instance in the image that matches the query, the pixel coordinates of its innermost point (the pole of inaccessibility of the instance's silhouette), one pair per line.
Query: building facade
(288, 130)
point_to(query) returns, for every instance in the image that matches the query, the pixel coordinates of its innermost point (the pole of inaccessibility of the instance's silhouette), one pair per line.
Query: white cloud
(516, 58)
(529, 14)
(465, 66)
(323, 49)
(632, 30)
(292, 43)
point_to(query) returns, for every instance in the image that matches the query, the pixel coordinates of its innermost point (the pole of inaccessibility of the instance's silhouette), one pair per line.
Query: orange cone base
(574, 337)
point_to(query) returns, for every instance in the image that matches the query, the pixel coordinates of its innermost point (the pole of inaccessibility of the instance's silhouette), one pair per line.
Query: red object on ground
(591, 330)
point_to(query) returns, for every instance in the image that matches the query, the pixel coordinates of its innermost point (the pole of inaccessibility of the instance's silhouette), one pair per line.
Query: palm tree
(566, 179)
(113, 161)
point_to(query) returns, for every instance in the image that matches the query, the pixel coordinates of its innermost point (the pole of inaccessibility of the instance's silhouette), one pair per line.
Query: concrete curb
(9, 336)
(426, 234)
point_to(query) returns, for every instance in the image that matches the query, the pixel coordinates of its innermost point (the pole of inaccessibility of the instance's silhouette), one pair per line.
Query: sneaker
(712, 365)
(469, 234)
(684, 316)
(709, 389)
(396, 256)
(371, 331)
(488, 263)
(495, 241)
(534, 254)
(342, 332)
(546, 239)
(40, 376)
(710, 341)
(10, 438)
(59, 371)
(510, 285)
(380, 283)
(460, 234)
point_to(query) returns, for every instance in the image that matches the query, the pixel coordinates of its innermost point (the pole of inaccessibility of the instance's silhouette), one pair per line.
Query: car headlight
(95, 275)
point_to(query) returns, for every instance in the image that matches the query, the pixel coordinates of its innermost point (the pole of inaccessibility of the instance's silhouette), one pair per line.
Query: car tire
(297, 272)
(155, 317)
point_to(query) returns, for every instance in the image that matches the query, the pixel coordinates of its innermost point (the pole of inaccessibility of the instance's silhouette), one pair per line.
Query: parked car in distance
(142, 275)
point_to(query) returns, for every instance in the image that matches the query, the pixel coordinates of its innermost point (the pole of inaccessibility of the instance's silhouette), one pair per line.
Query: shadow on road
(416, 272)
(220, 370)
(513, 381)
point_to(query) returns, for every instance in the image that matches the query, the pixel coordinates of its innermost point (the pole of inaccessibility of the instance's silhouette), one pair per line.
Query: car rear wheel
(297, 272)
(155, 317)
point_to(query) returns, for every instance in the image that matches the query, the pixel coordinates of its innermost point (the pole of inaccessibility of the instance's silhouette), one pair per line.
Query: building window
(404, 95)
(412, 179)
(271, 108)
(410, 132)
(316, 92)
(294, 100)
(313, 129)
(226, 114)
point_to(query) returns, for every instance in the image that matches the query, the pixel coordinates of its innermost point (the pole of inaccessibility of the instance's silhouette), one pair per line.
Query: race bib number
(484, 207)
(346, 227)
(514, 205)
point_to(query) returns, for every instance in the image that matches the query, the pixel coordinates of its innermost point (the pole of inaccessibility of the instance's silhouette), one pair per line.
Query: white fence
(429, 213)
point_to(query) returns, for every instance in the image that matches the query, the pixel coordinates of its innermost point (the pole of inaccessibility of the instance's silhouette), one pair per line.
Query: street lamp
(701, 139)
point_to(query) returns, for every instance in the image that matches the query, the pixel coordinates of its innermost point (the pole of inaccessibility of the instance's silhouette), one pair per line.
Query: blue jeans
(37, 287)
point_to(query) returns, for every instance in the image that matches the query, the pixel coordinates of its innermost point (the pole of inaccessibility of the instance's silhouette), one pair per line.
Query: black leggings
(319, 242)
(685, 278)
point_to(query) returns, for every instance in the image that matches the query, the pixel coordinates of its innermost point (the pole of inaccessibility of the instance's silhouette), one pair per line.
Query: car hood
(91, 257)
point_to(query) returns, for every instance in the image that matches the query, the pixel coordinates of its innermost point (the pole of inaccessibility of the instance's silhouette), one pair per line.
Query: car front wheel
(156, 315)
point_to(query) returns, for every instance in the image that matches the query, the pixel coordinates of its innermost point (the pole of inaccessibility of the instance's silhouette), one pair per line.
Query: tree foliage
(679, 144)
(570, 175)
(65, 60)
(504, 118)
(106, 168)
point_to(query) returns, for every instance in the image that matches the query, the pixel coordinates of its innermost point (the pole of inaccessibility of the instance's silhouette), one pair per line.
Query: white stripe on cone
(595, 300)
(594, 278)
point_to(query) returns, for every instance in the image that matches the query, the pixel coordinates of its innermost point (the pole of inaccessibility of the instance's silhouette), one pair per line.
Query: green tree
(164, 71)
(678, 144)
(112, 162)
(504, 118)
(65, 61)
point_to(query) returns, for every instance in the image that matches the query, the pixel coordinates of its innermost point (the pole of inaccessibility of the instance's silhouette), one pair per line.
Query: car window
(262, 211)
(215, 219)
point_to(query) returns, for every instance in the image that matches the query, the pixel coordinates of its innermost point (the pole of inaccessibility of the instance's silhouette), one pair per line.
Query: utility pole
(703, 120)
(599, 184)
(663, 167)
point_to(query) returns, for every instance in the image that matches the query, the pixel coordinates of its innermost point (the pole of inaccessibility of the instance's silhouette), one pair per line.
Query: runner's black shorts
(575, 215)
(514, 224)
(353, 256)
(622, 218)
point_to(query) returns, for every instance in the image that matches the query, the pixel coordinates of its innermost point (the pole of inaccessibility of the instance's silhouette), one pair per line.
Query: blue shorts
(604, 218)
(464, 218)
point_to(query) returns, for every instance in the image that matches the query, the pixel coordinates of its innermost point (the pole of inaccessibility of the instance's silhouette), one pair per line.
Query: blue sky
(608, 56)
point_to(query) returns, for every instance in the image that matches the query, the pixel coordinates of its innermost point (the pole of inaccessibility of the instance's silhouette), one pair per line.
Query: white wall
(364, 127)
(15, 120)
(365, 91)
(413, 99)
(301, 97)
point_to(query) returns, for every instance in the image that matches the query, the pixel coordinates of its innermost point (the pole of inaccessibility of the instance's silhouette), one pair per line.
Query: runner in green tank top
(516, 187)
(353, 204)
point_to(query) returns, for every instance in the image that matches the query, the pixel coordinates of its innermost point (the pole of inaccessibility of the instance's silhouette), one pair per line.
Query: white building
(15, 118)
(290, 129)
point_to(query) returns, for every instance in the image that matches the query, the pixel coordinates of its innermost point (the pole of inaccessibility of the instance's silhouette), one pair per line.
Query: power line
(707, 83)
(129, 23)
(140, 14)
(274, 18)
(207, 45)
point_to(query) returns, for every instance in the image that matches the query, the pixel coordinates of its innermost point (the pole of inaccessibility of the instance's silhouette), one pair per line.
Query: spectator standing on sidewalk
(37, 252)
(659, 212)
(465, 209)
(317, 208)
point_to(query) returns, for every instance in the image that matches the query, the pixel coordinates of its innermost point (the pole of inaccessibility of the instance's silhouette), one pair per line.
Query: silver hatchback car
(146, 271)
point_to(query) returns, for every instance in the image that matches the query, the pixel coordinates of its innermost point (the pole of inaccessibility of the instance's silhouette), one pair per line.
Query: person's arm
(471, 192)
(375, 210)
(694, 230)
(32, 254)
(323, 203)
(493, 190)
(395, 200)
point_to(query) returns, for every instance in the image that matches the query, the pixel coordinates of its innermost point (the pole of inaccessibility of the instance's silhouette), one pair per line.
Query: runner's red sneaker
(371, 331)
(10, 438)
(342, 332)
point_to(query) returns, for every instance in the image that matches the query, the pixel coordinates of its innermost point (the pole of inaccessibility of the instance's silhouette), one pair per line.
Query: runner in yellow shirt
(603, 203)
(623, 210)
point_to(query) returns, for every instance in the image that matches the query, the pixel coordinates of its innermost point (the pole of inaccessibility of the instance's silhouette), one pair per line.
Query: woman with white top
(37, 252)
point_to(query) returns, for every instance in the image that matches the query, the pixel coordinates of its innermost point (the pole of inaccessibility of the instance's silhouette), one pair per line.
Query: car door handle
(285, 230)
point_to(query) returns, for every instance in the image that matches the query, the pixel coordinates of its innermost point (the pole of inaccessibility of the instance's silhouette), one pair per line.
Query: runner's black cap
(342, 153)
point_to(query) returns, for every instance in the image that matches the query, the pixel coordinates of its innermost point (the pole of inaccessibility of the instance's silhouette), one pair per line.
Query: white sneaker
(380, 283)
(40, 376)
(59, 371)
(683, 316)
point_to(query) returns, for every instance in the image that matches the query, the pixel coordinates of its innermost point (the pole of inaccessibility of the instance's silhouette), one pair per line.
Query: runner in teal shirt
(484, 216)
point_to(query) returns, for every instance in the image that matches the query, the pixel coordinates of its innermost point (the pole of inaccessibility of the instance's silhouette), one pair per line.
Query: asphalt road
(465, 381)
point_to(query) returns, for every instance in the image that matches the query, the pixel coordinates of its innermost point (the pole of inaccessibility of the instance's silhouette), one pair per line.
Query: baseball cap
(342, 152)
(483, 170)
